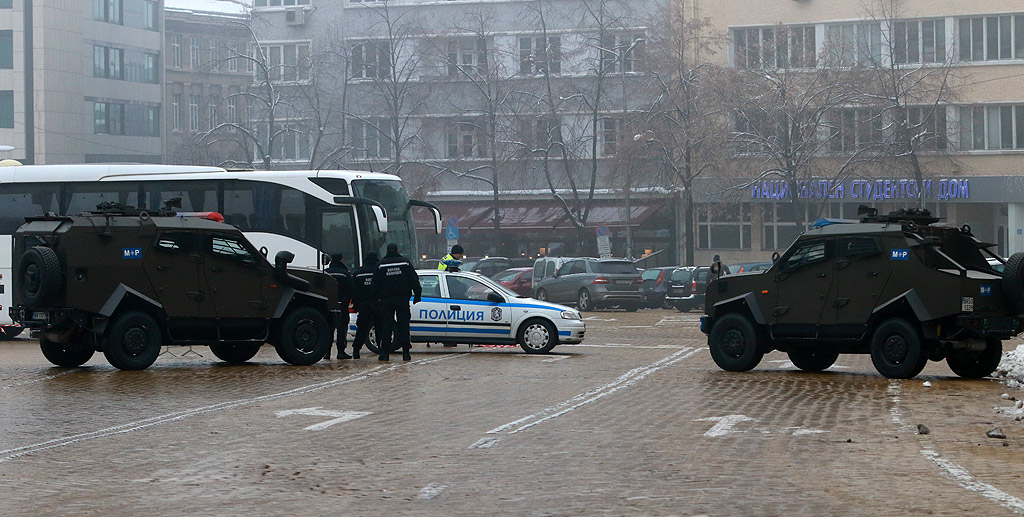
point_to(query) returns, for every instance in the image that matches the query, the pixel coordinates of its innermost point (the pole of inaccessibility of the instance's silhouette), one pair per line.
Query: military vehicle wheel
(896, 349)
(68, 355)
(537, 336)
(1013, 283)
(734, 344)
(813, 360)
(973, 364)
(39, 276)
(584, 302)
(133, 341)
(542, 295)
(303, 337)
(10, 332)
(234, 353)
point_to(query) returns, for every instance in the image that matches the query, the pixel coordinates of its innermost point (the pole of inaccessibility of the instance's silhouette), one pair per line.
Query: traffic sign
(451, 221)
(602, 230)
(452, 233)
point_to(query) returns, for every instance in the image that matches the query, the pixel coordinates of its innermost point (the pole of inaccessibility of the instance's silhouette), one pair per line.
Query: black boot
(405, 355)
(355, 353)
(383, 357)
(343, 355)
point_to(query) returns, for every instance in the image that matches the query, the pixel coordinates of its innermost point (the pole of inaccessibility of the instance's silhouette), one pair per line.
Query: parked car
(749, 267)
(686, 288)
(518, 280)
(487, 266)
(591, 283)
(655, 286)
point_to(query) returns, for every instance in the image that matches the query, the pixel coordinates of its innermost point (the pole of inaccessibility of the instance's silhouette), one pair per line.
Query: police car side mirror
(495, 297)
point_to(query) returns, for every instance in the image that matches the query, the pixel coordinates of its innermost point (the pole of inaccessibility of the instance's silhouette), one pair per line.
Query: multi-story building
(81, 81)
(206, 75)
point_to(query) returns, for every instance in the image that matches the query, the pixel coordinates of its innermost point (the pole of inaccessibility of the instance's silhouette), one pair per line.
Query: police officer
(340, 272)
(453, 260)
(364, 302)
(393, 282)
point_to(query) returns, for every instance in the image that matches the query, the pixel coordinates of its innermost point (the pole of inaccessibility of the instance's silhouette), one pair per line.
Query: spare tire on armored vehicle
(126, 282)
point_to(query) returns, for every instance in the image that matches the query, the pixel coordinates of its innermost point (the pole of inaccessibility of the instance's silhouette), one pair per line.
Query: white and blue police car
(469, 308)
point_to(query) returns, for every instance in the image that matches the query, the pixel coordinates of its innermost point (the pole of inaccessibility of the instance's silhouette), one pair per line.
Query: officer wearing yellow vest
(453, 260)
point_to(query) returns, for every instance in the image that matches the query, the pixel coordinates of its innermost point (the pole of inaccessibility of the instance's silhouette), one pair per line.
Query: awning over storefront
(541, 215)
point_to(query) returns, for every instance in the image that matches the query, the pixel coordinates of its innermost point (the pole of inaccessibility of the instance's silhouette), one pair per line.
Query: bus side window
(196, 196)
(20, 200)
(84, 197)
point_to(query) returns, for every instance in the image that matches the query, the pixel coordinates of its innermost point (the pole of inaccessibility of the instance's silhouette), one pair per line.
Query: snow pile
(1011, 368)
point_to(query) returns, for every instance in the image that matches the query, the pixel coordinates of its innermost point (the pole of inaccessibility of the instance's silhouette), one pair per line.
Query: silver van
(588, 283)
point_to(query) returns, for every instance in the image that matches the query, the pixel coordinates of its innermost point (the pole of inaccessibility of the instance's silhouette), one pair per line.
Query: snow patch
(1011, 368)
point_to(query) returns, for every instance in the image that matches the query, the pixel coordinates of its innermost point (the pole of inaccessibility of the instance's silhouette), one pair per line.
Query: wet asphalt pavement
(638, 420)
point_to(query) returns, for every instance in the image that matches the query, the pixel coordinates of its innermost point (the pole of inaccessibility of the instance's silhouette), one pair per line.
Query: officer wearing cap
(341, 274)
(364, 302)
(393, 282)
(453, 260)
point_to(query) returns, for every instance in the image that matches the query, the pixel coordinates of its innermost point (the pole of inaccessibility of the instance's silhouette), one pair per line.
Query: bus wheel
(304, 336)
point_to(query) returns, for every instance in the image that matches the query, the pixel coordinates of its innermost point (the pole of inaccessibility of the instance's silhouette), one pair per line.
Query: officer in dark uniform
(364, 302)
(393, 282)
(340, 272)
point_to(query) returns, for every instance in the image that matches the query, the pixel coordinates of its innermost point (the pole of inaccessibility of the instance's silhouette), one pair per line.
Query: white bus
(310, 213)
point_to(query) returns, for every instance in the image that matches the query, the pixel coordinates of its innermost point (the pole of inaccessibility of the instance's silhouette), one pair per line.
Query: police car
(469, 308)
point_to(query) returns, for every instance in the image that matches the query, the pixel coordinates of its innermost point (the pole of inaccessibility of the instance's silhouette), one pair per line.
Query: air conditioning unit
(295, 16)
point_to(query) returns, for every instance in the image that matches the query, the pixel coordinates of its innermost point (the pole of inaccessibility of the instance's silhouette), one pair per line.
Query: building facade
(207, 74)
(81, 81)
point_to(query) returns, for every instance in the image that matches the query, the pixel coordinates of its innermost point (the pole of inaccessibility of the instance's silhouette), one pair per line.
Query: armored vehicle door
(803, 279)
(236, 276)
(175, 269)
(861, 271)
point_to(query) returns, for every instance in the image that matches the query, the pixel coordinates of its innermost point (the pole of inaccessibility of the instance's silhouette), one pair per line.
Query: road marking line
(962, 477)
(894, 396)
(623, 381)
(17, 452)
(431, 491)
(484, 443)
(723, 424)
(553, 359)
(48, 377)
(340, 416)
(627, 345)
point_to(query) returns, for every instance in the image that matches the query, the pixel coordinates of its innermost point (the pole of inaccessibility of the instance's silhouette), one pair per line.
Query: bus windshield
(401, 229)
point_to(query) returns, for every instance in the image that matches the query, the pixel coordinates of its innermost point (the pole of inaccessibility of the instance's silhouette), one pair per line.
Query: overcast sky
(221, 6)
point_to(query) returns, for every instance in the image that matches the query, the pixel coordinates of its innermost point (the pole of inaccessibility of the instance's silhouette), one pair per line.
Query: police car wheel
(67, 355)
(537, 336)
(234, 353)
(896, 350)
(132, 342)
(39, 276)
(371, 341)
(971, 364)
(10, 332)
(303, 337)
(813, 360)
(735, 344)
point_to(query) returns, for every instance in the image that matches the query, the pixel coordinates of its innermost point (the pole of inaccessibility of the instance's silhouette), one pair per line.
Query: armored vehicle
(126, 282)
(901, 287)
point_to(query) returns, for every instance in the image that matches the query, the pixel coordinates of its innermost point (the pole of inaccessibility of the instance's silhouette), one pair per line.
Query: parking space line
(623, 381)
(17, 452)
(31, 381)
(962, 477)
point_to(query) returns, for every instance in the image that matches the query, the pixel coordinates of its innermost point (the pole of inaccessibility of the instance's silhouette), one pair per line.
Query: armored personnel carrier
(902, 287)
(125, 282)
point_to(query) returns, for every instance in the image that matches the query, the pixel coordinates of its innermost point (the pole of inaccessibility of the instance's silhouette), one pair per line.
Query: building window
(7, 109)
(288, 62)
(852, 129)
(6, 4)
(723, 226)
(211, 111)
(919, 41)
(194, 57)
(774, 47)
(108, 62)
(108, 118)
(233, 59)
(107, 10)
(152, 15)
(991, 38)
(152, 121)
(928, 125)
(538, 133)
(627, 49)
(852, 44)
(992, 127)
(538, 56)
(466, 140)
(372, 139)
(279, 3)
(176, 51)
(176, 111)
(193, 113)
(779, 229)
(371, 59)
(468, 55)
(292, 144)
(610, 132)
(232, 113)
(151, 69)
(7, 50)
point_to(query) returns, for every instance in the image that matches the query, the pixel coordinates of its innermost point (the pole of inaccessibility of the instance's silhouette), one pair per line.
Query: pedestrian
(453, 260)
(341, 274)
(393, 282)
(723, 269)
(364, 302)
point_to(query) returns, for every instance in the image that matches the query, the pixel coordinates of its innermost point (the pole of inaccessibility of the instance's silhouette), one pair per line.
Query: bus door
(340, 234)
